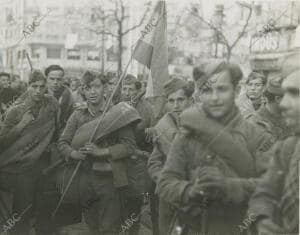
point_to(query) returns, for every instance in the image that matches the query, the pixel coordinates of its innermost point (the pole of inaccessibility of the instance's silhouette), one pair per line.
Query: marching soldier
(132, 93)
(252, 98)
(104, 170)
(275, 203)
(27, 131)
(268, 116)
(179, 97)
(209, 171)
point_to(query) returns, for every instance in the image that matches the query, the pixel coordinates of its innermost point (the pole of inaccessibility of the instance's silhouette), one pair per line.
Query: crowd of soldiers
(221, 158)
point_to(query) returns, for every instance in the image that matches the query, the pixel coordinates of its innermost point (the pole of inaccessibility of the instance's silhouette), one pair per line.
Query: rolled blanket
(220, 139)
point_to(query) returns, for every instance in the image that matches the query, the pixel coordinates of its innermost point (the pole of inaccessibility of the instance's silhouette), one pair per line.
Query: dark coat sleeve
(156, 163)
(265, 198)
(174, 182)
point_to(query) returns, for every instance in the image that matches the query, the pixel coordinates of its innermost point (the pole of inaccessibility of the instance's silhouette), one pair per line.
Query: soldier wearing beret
(268, 116)
(179, 97)
(210, 171)
(275, 203)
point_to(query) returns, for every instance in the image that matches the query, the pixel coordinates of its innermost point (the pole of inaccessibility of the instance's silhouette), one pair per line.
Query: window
(53, 53)
(93, 55)
(73, 54)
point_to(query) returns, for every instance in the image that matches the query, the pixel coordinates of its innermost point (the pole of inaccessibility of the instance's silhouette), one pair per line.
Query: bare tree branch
(137, 25)
(244, 28)
(211, 26)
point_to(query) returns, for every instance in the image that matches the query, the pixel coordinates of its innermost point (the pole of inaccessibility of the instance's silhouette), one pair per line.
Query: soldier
(7, 93)
(251, 99)
(55, 75)
(140, 182)
(27, 131)
(268, 116)
(275, 203)
(207, 172)
(104, 169)
(179, 97)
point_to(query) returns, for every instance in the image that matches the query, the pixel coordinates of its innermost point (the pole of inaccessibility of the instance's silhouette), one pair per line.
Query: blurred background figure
(76, 92)
(7, 93)
(251, 97)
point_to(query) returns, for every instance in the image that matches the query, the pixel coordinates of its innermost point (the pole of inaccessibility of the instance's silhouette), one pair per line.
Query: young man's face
(4, 81)
(290, 102)
(94, 92)
(254, 88)
(74, 85)
(37, 90)
(128, 92)
(218, 95)
(178, 101)
(55, 80)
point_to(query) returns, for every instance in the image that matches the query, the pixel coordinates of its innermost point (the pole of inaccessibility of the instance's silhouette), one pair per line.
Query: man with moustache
(205, 179)
(27, 131)
(275, 202)
(103, 173)
(179, 97)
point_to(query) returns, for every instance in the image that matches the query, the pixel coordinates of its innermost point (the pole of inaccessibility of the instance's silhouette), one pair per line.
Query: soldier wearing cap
(268, 116)
(205, 177)
(179, 97)
(140, 182)
(275, 202)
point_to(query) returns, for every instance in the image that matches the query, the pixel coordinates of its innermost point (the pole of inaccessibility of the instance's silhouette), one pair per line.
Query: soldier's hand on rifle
(212, 180)
(26, 119)
(93, 150)
(196, 191)
(76, 155)
(266, 227)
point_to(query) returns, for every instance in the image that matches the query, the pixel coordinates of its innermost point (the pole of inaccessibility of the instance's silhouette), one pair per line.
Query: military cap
(289, 64)
(274, 85)
(174, 85)
(217, 66)
(36, 75)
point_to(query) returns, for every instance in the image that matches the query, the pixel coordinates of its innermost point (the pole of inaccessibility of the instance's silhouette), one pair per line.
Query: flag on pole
(152, 50)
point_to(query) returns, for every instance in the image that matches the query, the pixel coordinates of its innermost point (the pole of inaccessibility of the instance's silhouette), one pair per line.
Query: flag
(152, 51)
